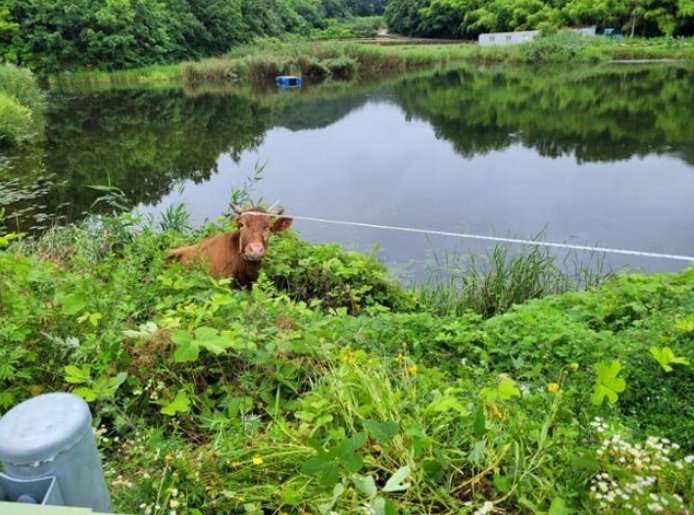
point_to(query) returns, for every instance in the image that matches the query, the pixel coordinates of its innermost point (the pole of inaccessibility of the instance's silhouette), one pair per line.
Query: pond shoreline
(347, 60)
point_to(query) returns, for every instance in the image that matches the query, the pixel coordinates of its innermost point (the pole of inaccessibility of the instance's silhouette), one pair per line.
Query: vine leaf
(665, 357)
(607, 384)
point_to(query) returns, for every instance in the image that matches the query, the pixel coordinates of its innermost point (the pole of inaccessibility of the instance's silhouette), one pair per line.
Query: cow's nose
(255, 251)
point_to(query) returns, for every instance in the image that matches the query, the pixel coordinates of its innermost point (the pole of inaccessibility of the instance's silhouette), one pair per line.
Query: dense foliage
(328, 387)
(21, 103)
(50, 35)
(468, 18)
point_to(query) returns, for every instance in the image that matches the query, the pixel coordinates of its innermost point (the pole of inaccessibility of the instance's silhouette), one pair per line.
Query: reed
(492, 284)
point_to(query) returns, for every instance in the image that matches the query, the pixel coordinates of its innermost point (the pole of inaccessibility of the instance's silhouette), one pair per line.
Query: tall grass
(262, 62)
(155, 74)
(492, 284)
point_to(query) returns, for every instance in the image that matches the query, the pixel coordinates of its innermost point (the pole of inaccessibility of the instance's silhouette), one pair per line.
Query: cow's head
(255, 227)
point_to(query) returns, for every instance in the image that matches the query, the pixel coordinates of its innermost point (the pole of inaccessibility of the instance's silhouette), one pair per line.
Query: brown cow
(236, 254)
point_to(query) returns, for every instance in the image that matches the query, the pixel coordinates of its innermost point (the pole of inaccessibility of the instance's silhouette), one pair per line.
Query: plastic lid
(40, 428)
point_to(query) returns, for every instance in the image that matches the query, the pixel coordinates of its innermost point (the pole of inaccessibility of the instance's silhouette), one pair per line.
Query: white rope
(486, 238)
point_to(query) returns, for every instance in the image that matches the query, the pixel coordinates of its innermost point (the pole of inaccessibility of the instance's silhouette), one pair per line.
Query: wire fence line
(498, 239)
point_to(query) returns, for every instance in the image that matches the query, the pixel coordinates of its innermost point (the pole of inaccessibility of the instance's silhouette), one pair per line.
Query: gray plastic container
(51, 435)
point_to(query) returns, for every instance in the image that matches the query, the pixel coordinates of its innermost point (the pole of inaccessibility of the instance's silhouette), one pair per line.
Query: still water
(590, 156)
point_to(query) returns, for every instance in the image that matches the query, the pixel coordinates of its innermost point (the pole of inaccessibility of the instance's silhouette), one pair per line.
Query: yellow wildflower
(495, 411)
(257, 460)
(553, 387)
(574, 366)
(412, 369)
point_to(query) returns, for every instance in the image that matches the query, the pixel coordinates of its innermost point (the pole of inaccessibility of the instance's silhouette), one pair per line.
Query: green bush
(16, 123)
(21, 84)
(558, 48)
(334, 278)
(21, 102)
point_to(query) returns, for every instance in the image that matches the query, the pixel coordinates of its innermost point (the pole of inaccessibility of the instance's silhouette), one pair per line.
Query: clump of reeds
(210, 70)
(494, 283)
(262, 69)
(313, 69)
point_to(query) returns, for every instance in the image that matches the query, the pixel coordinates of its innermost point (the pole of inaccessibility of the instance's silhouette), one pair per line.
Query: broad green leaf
(115, 382)
(607, 384)
(433, 468)
(685, 325)
(349, 445)
(94, 318)
(382, 432)
(181, 404)
(501, 483)
(382, 506)
(558, 507)
(352, 462)
(74, 303)
(206, 333)
(366, 485)
(290, 497)
(665, 357)
(447, 401)
(75, 375)
(87, 394)
(507, 389)
(479, 422)
(326, 470)
(396, 483)
(187, 349)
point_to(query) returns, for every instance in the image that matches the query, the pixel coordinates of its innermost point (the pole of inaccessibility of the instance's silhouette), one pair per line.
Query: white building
(513, 38)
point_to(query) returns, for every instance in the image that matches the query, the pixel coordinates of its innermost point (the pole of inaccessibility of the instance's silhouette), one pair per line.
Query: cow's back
(217, 253)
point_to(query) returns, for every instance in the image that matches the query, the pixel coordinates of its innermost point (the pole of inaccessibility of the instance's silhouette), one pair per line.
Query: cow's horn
(236, 209)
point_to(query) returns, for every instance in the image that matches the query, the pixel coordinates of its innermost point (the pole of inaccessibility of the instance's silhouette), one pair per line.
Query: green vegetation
(49, 37)
(329, 387)
(261, 63)
(365, 27)
(468, 18)
(21, 102)
(555, 110)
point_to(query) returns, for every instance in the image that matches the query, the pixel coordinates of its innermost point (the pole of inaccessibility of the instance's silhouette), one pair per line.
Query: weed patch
(329, 387)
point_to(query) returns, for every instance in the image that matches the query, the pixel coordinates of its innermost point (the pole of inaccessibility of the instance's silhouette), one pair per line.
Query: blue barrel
(288, 81)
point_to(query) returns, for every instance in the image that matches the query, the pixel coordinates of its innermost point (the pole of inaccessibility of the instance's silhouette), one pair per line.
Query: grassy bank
(21, 103)
(150, 75)
(317, 60)
(330, 387)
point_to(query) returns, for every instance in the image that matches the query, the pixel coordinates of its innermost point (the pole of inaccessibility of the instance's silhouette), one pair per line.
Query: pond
(600, 155)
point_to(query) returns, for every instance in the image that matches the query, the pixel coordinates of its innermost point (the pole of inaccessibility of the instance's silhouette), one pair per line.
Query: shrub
(335, 278)
(21, 101)
(558, 48)
(16, 123)
(20, 84)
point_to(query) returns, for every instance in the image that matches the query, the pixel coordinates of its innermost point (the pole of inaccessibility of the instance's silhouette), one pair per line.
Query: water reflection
(603, 114)
(593, 155)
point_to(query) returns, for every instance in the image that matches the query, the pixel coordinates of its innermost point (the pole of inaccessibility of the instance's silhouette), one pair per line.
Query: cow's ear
(282, 224)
